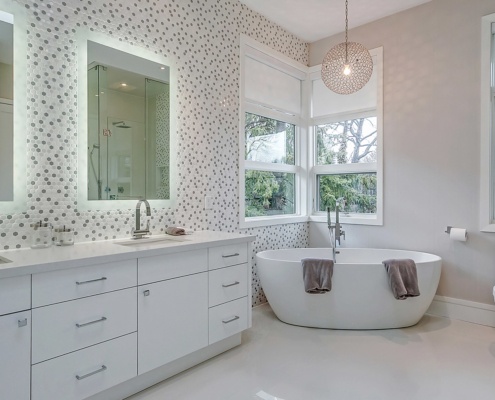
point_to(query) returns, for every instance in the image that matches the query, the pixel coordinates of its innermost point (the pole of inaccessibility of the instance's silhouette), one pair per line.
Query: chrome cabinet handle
(22, 322)
(92, 322)
(103, 368)
(92, 281)
(231, 255)
(231, 284)
(146, 292)
(228, 321)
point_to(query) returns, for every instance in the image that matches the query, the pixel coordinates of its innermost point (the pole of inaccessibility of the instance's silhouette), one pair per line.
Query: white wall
(431, 139)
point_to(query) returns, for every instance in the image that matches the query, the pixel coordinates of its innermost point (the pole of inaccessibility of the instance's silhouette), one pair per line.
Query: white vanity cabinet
(15, 337)
(92, 321)
(173, 312)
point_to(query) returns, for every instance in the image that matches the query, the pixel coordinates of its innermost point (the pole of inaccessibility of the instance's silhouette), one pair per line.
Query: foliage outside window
(352, 141)
(357, 190)
(269, 192)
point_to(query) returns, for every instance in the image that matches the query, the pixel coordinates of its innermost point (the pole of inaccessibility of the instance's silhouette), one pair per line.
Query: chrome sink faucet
(138, 233)
(336, 231)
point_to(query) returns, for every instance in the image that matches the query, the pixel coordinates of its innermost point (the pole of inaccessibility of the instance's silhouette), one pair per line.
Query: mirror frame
(487, 186)
(83, 204)
(19, 202)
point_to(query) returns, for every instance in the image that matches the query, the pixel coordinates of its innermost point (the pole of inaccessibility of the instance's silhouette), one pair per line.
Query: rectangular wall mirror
(128, 130)
(6, 106)
(12, 108)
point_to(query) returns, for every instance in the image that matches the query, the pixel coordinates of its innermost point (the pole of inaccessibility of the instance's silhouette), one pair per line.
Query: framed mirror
(13, 108)
(126, 125)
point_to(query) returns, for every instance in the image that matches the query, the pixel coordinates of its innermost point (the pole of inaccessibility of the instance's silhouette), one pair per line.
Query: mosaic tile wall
(203, 38)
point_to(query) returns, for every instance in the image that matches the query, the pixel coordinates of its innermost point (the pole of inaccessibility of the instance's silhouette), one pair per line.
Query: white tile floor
(437, 359)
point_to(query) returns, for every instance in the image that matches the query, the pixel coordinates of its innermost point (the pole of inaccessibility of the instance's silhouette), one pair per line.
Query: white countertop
(29, 261)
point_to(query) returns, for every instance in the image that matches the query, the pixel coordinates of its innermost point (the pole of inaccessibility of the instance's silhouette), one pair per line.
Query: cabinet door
(15, 348)
(172, 320)
(15, 294)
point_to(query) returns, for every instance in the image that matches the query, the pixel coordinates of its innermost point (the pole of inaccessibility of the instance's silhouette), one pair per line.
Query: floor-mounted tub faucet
(138, 233)
(336, 231)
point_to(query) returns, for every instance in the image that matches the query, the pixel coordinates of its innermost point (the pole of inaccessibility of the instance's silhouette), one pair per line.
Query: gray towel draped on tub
(402, 277)
(317, 274)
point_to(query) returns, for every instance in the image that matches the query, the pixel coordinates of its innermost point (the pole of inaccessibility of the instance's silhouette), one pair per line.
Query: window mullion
(272, 167)
(344, 168)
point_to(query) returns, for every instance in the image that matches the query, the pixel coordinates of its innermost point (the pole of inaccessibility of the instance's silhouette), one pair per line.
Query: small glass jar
(41, 235)
(64, 236)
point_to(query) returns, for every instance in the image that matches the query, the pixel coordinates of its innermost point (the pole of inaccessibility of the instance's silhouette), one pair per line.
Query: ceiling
(312, 20)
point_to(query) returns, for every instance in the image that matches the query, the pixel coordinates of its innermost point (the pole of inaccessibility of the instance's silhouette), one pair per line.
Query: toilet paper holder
(448, 229)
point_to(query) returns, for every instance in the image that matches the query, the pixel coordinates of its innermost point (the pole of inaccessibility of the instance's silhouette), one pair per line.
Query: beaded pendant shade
(348, 66)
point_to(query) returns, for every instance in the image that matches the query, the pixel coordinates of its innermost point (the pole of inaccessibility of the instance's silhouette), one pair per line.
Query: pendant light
(348, 66)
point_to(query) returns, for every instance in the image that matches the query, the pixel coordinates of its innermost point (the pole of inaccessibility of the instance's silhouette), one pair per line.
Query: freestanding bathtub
(360, 297)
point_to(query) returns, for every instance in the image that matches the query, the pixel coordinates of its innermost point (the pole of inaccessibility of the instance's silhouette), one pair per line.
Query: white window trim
(357, 219)
(304, 168)
(487, 203)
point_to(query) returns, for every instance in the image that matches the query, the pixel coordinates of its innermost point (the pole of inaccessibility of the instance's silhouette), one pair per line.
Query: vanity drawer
(174, 265)
(226, 284)
(15, 294)
(227, 319)
(225, 256)
(73, 325)
(86, 372)
(68, 284)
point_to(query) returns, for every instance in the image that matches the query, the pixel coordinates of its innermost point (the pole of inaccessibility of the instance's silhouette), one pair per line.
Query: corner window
(303, 147)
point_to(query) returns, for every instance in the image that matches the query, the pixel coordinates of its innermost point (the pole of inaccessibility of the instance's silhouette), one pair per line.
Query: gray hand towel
(402, 277)
(317, 275)
(175, 231)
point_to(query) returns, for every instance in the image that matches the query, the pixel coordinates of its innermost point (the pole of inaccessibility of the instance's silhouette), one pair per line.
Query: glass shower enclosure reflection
(128, 135)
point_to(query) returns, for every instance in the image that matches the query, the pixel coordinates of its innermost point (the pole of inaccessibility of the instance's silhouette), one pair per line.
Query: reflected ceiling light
(162, 68)
(123, 84)
(348, 66)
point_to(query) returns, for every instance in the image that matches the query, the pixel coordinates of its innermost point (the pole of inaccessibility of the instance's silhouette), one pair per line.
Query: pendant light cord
(346, 27)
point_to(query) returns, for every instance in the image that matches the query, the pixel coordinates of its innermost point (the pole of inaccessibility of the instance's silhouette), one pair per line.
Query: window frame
(253, 49)
(305, 166)
(338, 169)
(487, 126)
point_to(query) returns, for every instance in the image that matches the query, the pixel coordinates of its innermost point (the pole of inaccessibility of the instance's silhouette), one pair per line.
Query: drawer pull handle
(92, 322)
(231, 255)
(228, 321)
(146, 292)
(231, 284)
(103, 368)
(92, 281)
(22, 322)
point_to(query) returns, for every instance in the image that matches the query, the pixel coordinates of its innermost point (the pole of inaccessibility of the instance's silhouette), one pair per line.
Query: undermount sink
(4, 260)
(152, 241)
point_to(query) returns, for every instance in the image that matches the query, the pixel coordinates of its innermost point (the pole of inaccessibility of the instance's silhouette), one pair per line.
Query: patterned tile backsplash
(202, 36)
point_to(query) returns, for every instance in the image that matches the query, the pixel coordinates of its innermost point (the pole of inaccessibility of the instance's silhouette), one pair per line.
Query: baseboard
(463, 310)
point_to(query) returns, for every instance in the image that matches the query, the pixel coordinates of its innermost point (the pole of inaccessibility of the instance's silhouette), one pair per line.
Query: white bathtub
(360, 297)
